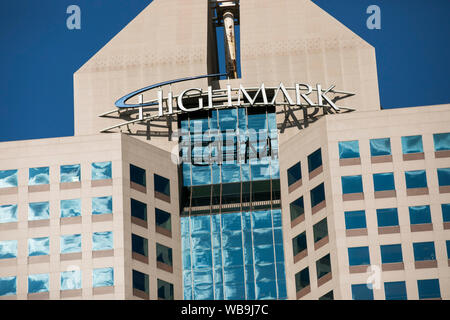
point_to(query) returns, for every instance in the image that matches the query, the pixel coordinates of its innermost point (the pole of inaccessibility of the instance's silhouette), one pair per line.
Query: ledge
(413, 156)
(358, 269)
(303, 292)
(349, 162)
(421, 227)
(381, 159)
(299, 256)
(69, 185)
(425, 264)
(389, 230)
(70, 293)
(392, 266)
(297, 184)
(10, 190)
(385, 194)
(324, 279)
(315, 172)
(101, 183)
(353, 196)
(442, 154)
(38, 223)
(139, 222)
(321, 242)
(103, 253)
(164, 266)
(163, 231)
(356, 232)
(297, 220)
(138, 187)
(162, 196)
(318, 207)
(416, 191)
(39, 188)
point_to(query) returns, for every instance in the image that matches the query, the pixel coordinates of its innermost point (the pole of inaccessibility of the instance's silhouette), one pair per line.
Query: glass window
(38, 211)
(103, 277)
(302, 279)
(420, 214)
(165, 290)
(162, 219)
(70, 208)
(294, 173)
(39, 246)
(70, 243)
(102, 205)
(429, 289)
(8, 286)
(383, 181)
(387, 217)
(8, 249)
(424, 251)
(327, 296)
(162, 185)
(71, 280)
(358, 256)
(320, 230)
(323, 266)
(395, 290)
(391, 253)
(139, 245)
(352, 184)
(299, 243)
(163, 254)
(361, 292)
(137, 175)
(297, 208)
(444, 176)
(38, 176)
(101, 170)
(317, 195)
(447, 243)
(412, 144)
(8, 178)
(441, 141)
(314, 160)
(348, 149)
(70, 173)
(355, 219)
(138, 209)
(416, 179)
(380, 147)
(140, 281)
(102, 241)
(38, 283)
(445, 212)
(8, 213)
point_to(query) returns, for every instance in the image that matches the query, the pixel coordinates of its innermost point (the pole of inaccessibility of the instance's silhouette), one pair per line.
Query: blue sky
(39, 55)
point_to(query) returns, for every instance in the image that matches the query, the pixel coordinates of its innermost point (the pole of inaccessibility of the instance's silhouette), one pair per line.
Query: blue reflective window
(296, 208)
(424, 251)
(314, 160)
(445, 212)
(163, 219)
(8, 249)
(447, 243)
(412, 144)
(260, 171)
(299, 243)
(391, 253)
(38, 211)
(387, 217)
(71, 280)
(358, 256)
(39, 246)
(429, 289)
(103, 277)
(8, 286)
(137, 175)
(186, 174)
(138, 209)
(70, 208)
(162, 185)
(228, 119)
(420, 214)
(139, 245)
(352, 184)
(8, 178)
(383, 181)
(38, 176)
(102, 205)
(302, 279)
(70, 243)
(443, 176)
(348, 149)
(395, 290)
(361, 292)
(70, 173)
(355, 219)
(317, 195)
(102, 241)
(380, 147)
(294, 173)
(441, 141)
(231, 172)
(201, 175)
(8, 213)
(38, 283)
(140, 281)
(101, 170)
(163, 254)
(416, 179)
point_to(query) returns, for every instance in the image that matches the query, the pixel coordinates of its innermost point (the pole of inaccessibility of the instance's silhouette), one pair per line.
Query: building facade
(263, 198)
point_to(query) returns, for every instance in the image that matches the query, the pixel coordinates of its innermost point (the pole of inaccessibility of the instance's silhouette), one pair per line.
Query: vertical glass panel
(314, 160)
(391, 253)
(445, 212)
(380, 147)
(163, 254)
(102, 205)
(101, 170)
(348, 149)
(352, 184)
(137, 175)
(38, 211)
(8, 249)
(38, 283)
(162, 185)
(162, 219)
(420, 214)
(416, 179)
(412, 144)
(299, 243)
(39, 246)
(447, 243)
(227, 119)
(138, 209)
(443, 176)
(294, 173)
(260, 170)
(429, 289)
(70, 243)
(424, 251)
(102, 241)
(8, 213)
(70, 208)
(8, 286)
(71, 280)
(383, 181)
(395, 290)
(70, 173)
(139, 245)
(201, 175)
(302, 279)
(320, 230)
(358, 256)
(323, 266)
(387, 217)
(103, 277)
(8, 178)
(38, 176)
(361, 292)
(355, 219)
(441, 141)
(140, 281)
(317, 195)
(186, 174)
(165, 290)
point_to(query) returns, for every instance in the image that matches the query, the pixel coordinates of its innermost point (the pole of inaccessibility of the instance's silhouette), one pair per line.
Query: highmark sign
(290, 99)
